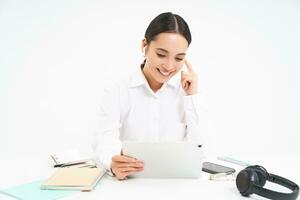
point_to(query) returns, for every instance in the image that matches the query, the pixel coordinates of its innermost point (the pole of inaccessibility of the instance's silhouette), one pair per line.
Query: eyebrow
(179, 54)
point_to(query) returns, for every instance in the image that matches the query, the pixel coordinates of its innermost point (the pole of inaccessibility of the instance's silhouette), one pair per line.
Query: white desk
(22, 170)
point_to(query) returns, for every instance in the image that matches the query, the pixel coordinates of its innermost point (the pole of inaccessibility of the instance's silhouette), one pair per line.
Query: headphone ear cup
(245, 181)
(262, 174)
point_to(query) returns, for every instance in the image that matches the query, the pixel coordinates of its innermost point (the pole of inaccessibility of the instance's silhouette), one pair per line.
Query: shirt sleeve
(106, 142)
(193, 118)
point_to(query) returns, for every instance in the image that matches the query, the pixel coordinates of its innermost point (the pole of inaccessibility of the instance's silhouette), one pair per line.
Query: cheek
(179, 66)
(154, 62)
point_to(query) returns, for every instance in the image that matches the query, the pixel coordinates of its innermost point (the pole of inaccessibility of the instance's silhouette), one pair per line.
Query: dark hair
(167, 23)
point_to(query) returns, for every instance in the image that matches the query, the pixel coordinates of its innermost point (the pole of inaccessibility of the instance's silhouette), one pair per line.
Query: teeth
(164, 73)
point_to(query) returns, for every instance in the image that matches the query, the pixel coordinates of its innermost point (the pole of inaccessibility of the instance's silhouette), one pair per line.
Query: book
(73, 178)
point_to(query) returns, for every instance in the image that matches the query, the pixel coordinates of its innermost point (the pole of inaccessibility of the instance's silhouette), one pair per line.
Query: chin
(162, 80)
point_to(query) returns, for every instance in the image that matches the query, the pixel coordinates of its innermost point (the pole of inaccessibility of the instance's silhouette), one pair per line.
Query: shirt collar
(138, 79)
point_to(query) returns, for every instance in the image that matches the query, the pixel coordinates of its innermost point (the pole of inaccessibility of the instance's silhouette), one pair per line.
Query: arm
(191, 104)
(106, 139)
(107, 145)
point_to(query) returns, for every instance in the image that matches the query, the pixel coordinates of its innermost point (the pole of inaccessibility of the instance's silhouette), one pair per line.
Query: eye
(179, 59)
(160, 55)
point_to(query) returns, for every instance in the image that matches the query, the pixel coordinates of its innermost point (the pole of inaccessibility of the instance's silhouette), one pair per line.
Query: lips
(163, 73)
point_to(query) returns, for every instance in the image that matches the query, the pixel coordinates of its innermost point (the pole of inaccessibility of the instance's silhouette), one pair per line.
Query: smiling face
(164, 58)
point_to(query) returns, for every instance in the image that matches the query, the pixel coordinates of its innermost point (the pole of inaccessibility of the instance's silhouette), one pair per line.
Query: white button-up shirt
(131, 111)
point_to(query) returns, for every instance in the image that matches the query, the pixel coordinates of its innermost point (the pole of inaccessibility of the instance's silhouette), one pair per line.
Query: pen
(58, 165)
(234, 161)
(68, 164)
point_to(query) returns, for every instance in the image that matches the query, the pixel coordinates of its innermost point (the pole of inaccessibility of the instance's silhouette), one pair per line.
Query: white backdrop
(56, 56)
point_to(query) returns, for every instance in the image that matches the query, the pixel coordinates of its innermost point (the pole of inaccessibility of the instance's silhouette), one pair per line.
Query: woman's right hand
(123, 166)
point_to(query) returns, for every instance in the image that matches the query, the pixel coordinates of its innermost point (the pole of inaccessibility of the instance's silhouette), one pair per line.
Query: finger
(186, 85)
(124, 165)
(125, 159)
(123, 175)
(187, 77)
(130, 169)
(183, 83)
(132, 158)
(184, 75)
(128, 173)
(188, 65)
(127, 169)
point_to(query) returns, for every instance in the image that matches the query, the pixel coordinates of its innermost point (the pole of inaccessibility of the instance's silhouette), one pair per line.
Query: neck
(154, 85)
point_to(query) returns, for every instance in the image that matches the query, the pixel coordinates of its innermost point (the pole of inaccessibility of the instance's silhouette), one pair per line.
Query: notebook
(74, 179)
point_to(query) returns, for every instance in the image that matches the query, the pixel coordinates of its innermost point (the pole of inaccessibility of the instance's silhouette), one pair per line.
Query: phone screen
(213, 168)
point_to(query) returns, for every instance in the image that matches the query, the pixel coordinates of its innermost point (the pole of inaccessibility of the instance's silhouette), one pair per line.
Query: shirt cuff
(105, 158)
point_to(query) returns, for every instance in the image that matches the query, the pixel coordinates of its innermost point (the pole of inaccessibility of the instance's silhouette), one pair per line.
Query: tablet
(166, 159)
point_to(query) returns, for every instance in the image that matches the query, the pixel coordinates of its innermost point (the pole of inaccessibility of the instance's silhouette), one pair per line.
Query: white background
(56, 56)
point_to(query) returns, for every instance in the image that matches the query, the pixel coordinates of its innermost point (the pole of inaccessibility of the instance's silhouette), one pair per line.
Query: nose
(169, 66)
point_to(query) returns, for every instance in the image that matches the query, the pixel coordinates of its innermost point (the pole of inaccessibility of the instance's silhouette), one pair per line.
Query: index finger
(188, 65)
(126, 159)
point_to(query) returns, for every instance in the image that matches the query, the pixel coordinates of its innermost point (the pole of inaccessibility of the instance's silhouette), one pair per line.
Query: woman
(152, 105)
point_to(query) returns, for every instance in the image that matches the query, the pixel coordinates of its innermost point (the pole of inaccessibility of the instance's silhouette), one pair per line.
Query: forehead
(172, 42)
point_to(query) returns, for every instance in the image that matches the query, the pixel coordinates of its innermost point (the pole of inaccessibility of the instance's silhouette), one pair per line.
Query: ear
(144, 46)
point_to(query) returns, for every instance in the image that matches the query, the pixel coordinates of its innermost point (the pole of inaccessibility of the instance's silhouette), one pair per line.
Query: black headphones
(252, 179)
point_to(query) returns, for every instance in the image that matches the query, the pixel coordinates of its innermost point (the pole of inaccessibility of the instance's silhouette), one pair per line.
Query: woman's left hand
(189, 80)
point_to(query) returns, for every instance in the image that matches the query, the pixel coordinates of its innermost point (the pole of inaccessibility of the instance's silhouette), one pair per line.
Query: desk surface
(110, 188)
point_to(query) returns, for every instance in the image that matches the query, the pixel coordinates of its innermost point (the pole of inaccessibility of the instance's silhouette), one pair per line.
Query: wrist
(193, 92)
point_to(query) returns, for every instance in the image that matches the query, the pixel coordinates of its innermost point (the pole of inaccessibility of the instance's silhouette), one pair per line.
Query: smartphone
(213, 168)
